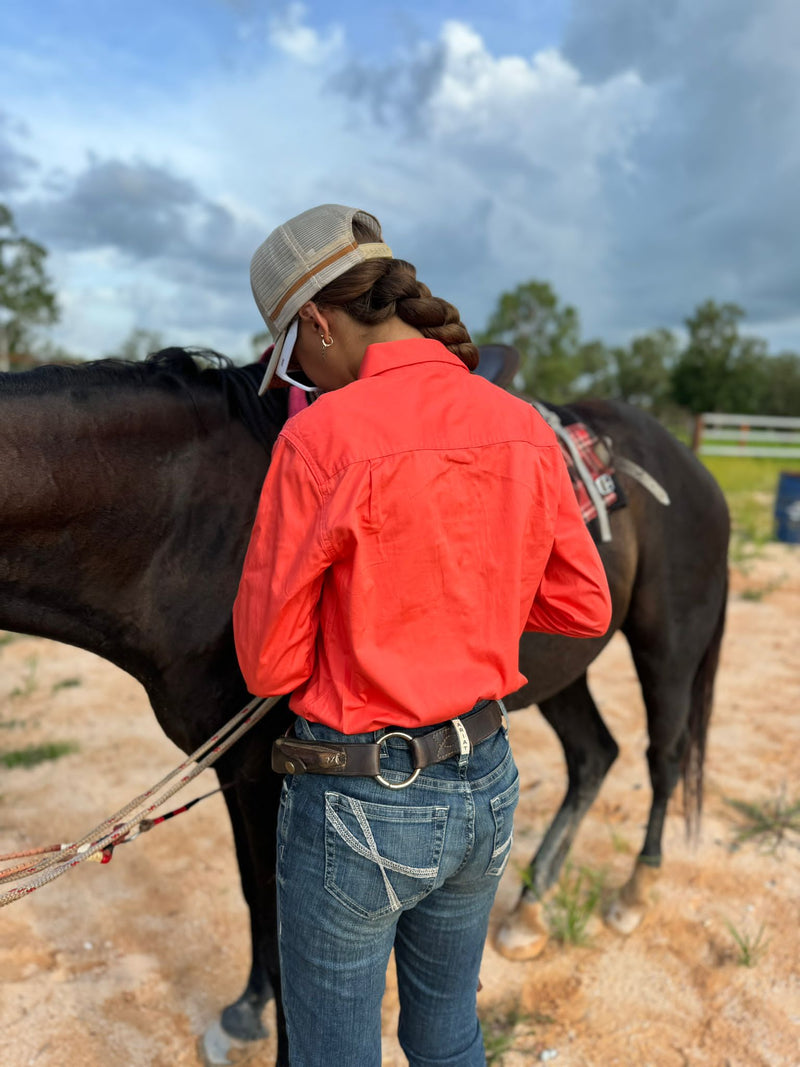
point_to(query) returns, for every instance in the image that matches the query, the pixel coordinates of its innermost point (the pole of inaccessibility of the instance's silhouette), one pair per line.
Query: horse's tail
(699, 718)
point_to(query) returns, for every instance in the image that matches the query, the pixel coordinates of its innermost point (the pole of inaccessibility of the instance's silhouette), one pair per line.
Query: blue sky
(640, 156)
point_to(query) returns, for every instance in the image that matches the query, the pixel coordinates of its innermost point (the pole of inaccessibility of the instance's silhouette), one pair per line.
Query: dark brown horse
(127, 492)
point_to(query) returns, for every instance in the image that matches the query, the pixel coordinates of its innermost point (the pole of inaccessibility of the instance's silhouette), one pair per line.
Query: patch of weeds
(525, 877)
(29, 681)
(744, 550)
(67, 683)
(575, 900)
(749, 485)
(33, 755)
(503, 1026)
(618, 842)
(6, 638)
(769, 823)
(12, 724)
(757, 593)
(752, 518)
(751, 528)
(751, 946)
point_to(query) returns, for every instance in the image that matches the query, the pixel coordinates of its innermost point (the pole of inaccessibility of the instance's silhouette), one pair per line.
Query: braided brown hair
(378, 289)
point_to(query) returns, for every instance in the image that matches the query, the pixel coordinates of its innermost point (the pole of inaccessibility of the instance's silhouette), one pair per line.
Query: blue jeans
(363, 869)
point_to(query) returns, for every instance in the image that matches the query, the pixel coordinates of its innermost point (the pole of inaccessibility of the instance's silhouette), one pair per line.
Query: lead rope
(106, 854)
(113, 831)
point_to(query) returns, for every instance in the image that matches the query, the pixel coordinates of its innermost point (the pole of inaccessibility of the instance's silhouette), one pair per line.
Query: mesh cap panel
(300, 257)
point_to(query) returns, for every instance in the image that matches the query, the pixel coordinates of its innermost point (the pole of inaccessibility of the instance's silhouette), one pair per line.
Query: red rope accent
(99, 843)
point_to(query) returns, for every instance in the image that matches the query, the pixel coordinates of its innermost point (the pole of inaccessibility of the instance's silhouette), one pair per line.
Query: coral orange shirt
(410, 526)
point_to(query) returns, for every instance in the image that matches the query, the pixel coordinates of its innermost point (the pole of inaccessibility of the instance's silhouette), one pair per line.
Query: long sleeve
(573, 596)
(276, 612)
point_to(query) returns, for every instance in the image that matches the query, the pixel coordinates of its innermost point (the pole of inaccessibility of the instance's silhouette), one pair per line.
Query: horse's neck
(66, 460)
(122, 517)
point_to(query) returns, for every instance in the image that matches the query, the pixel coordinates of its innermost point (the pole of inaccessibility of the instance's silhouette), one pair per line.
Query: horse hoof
(524, 934)
(218, 1049)
(626, 912)
(242, 1020)
(623, 918)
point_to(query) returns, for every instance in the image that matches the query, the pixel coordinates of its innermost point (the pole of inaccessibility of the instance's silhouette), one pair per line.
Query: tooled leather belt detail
(291, 755)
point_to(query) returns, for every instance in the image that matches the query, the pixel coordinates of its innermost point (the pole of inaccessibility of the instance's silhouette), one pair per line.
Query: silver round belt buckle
(414, 774)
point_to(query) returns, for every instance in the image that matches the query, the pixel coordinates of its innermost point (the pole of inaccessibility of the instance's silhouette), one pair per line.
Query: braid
(438, 319)
(378, 289)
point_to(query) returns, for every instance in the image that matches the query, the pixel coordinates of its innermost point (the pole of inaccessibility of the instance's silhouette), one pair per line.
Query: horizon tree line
(713, 368)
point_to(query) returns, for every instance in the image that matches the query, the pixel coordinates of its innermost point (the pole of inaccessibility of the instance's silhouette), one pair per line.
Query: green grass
(525, 876)
(33, 755)
(502, 1025)
(750, 487)
(7, 638)
(29, 681)
(67, 683)
(757, 593)
(619, 843)
(769, 823)
(575, 900)
(743, 474)
(498, 1028)
(751, 947)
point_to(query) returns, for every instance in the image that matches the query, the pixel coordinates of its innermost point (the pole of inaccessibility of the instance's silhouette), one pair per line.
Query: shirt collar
(389, 355)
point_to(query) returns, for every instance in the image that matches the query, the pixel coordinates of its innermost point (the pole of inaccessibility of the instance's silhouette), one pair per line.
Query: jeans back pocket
(503, 807)
(381, 858)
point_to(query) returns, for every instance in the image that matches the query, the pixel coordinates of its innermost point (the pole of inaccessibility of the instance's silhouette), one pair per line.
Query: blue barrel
(787, 508)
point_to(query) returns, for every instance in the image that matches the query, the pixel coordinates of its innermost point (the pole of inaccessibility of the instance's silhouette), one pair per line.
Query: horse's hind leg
(589, 750)
(667, 695)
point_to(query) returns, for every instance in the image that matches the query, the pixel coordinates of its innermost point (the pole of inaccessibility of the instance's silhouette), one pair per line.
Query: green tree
(27, 299)
(595, 371)
(748, 384)
(719, 370)
(642, 369)
(782, 387)
(554, 364)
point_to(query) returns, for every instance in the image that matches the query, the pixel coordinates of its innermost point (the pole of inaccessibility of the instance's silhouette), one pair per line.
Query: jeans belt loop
(464, 743)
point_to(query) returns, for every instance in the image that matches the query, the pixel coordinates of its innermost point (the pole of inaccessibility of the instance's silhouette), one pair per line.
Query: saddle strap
(554, 421)
(643, 478)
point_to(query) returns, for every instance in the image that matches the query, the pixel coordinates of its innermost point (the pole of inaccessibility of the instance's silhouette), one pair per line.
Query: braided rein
(98, 843)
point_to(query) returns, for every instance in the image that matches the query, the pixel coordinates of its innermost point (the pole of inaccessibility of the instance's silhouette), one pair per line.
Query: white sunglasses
(282, 371)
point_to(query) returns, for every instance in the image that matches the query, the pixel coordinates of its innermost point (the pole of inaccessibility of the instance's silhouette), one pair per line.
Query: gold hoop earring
(326, 344)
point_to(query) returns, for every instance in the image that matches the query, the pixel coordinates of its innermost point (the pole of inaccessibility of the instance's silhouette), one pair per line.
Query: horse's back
(640, 437)
(681, 538)
(666, 563)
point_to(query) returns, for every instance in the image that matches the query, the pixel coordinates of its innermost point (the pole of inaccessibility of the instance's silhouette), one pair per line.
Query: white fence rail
(775, 436)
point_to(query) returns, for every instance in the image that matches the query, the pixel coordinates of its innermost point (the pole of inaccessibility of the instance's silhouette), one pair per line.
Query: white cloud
(17, 166)
(627, 169)
(290, 33)
(539, 108)
(521, 147)
(714, 209)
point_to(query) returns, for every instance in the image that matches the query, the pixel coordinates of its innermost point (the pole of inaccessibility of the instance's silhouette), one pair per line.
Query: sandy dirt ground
(125, 964)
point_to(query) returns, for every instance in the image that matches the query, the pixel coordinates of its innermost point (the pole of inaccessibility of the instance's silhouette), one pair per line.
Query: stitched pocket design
(284, 812)
(380, 858)
(503, 807)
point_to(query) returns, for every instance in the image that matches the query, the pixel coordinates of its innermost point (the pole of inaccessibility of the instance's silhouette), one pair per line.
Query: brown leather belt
(291, 755)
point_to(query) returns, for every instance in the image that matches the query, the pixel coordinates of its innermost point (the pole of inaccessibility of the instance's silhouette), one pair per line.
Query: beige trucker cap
(300, 257)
